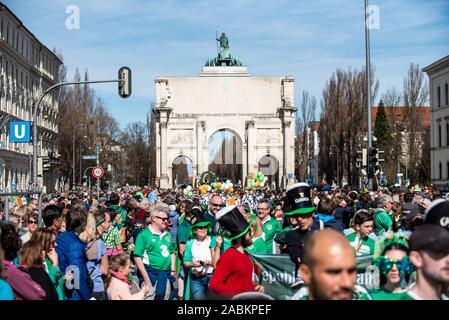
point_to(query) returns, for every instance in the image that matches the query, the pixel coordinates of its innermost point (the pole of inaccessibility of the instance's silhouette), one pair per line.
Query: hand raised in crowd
(68, 276)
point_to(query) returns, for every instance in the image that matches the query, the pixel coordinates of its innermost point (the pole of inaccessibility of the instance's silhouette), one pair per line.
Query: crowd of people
(151, 244)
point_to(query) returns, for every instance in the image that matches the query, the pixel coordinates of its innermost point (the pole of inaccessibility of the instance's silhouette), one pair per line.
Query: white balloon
(265, 179)
(209, 188)
(189, 188)
(228, 181)
(186, 191)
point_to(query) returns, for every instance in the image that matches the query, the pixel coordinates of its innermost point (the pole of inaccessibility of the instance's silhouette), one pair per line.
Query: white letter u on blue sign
(22, 133)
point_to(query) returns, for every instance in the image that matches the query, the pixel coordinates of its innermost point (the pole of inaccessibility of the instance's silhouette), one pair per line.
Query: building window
(439, 97)
(447, 133)
(439, 134)
(441, 171)
(447, 95)
(447, 170)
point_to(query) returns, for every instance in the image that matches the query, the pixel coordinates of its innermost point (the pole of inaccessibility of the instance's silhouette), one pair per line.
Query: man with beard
(234, 271)
(429, 253)
(328, 266)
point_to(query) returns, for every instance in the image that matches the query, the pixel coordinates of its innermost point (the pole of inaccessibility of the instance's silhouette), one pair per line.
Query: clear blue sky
(306, 39)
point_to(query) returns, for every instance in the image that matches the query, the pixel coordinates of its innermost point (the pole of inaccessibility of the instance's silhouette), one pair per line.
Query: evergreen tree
(382, 130)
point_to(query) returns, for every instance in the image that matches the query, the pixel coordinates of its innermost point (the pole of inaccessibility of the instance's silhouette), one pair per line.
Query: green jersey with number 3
(155, 250)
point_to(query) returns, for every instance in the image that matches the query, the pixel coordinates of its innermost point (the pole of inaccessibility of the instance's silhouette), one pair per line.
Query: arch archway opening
(182, 171)
(226, 155)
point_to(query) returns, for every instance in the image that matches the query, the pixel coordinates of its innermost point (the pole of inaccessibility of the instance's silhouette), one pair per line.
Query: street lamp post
(73, 156)
(338, 162)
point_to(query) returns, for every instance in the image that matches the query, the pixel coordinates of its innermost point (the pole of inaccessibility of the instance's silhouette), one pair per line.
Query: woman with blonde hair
(97, 260)
(257, 237)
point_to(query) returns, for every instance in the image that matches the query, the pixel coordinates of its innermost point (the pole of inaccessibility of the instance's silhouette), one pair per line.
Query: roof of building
(398, 114)
(20, 24)
(437, 65)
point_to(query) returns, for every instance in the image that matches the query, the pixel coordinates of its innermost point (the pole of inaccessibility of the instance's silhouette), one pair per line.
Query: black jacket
(40, 276)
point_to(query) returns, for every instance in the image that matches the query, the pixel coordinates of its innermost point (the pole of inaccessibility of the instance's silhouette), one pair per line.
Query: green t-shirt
(381, 294)
(361, 248)
(271, 228)
(405, 296)
(259, 246)
(184, 231)
(382, 222)
(155, 250)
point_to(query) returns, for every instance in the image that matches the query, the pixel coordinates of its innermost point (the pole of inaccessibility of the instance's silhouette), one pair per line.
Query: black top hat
(232, 222)
(438, 213)
(298, 195)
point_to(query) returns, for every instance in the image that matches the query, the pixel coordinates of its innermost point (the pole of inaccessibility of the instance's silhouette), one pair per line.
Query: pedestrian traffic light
(381, 155)
(373, 161)
(124, 85)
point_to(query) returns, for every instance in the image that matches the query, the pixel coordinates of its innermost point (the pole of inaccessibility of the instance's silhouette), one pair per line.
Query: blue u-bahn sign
(20, 131)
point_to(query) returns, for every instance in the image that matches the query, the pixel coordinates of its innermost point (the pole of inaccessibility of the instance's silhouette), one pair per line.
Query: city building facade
(27, 68)
(438, 73)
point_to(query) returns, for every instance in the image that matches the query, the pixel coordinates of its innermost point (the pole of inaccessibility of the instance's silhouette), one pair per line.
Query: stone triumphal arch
(254, 115)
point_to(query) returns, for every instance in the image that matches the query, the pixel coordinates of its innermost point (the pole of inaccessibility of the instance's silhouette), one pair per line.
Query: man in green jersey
(271, 227)
(155, 252)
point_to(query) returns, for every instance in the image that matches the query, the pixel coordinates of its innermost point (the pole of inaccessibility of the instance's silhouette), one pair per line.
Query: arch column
(250, 131)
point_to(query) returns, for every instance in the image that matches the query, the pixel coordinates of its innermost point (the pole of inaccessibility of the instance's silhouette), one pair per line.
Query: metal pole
(73, 160)
(6, 209)
(39, 206)
(338, 166)
(368, 88)
(36, 107)
(98, 180)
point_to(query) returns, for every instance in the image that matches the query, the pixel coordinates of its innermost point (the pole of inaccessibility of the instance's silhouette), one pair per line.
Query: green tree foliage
(382, 130)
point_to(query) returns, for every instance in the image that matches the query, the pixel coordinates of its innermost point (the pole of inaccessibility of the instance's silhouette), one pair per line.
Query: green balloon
(214, 185)
(253, 184)
(190, 194)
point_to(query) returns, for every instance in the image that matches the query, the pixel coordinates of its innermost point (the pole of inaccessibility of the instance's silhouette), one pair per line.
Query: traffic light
(46, 164)
(373, 161)
(381, 155)
(361, 158)
(124, 85)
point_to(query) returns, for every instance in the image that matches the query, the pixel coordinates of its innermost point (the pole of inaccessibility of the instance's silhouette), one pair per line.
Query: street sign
(89, 157)
(98, 172)
(20, 131)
